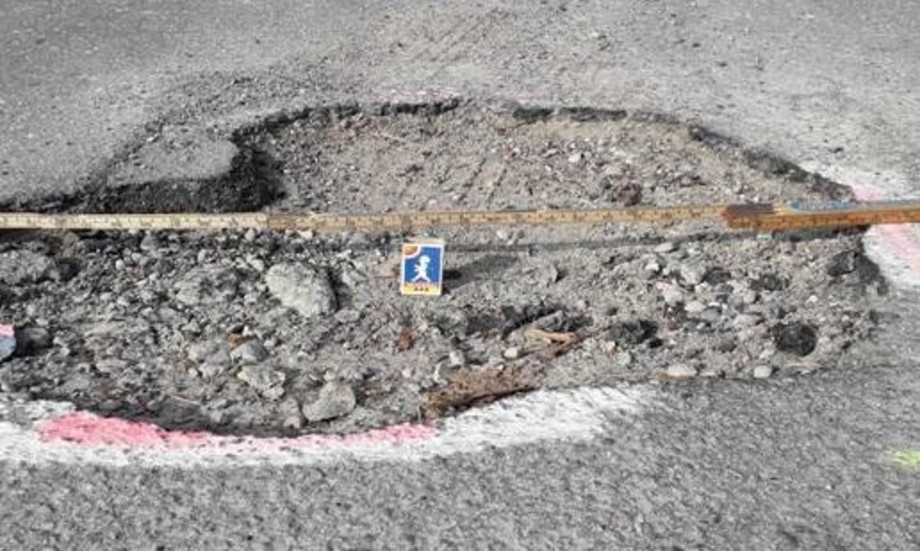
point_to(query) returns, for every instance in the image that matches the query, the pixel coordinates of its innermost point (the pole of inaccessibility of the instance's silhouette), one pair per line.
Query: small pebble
(763, 372)
(347, 316)
(692, 274)
(672, 295)
(681, 371)
(456, 359)
(250, 352)
(150, 242)
(749, 297)
(266, 381)
(746, 320)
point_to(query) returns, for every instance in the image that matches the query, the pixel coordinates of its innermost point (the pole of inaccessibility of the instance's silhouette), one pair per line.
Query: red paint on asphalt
(87, 429)
(897, 238)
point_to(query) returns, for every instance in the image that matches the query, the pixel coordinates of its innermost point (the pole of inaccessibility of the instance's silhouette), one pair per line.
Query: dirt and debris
(282, 333)
(471, 387)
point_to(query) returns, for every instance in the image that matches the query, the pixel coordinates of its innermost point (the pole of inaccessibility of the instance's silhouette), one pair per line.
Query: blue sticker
(422, 271)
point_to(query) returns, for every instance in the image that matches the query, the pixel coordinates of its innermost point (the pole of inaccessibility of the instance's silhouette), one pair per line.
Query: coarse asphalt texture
(790, 463)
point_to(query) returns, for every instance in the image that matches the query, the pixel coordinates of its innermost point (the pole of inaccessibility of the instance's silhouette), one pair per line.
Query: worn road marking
(84, 438)
(895, 248)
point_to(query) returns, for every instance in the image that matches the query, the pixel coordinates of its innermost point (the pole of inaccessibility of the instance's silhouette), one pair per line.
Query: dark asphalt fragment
(797, 338)
(633, 332)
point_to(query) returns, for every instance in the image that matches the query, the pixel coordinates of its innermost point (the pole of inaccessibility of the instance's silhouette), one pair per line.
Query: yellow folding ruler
(754, 216)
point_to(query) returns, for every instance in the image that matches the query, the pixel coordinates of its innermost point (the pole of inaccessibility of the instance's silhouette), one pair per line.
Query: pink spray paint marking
(90, 430)
(897, 239)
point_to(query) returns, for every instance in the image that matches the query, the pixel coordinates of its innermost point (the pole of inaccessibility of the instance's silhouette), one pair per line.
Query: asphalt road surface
(805, 463)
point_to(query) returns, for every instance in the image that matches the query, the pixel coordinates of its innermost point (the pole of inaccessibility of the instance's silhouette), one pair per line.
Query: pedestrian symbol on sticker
(422, 268)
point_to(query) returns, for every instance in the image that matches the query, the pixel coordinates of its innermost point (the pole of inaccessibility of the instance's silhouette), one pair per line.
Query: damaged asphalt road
(268, 332)
(798, 461)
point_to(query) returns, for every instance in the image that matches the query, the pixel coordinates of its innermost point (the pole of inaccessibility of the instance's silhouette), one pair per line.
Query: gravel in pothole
(269, 333)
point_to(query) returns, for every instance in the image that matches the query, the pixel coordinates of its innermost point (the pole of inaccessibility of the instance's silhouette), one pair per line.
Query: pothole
(271, 333)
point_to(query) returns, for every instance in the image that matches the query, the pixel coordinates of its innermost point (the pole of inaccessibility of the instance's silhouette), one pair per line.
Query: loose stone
(681, 371)
(301, 288)
(335, 400)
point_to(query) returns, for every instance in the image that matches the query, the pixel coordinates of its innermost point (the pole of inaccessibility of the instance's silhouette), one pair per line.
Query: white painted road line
(83, 438)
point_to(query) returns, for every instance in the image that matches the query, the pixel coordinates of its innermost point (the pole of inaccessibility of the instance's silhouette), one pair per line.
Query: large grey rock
(301, 288)
(336, 399)
(17, 267)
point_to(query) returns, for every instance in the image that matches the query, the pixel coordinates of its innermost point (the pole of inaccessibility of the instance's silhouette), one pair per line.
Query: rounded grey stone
(681, 371)
(250, 352)
(336, 399)
(301, 288)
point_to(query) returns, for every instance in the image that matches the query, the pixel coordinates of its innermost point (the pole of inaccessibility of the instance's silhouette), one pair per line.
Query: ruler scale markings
(751, 216)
